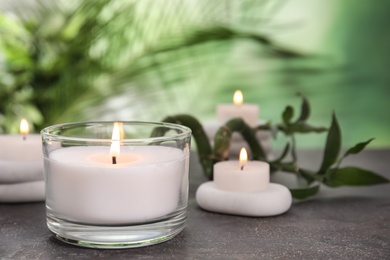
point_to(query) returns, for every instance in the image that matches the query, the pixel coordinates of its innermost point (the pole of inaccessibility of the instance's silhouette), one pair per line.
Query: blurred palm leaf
(71, 61)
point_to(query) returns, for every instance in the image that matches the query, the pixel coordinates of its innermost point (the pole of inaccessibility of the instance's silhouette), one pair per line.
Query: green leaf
(332, 147)
(305, 109)
(301, 127)
(358, 148)
(287, 114)
(287, 54)
(304, 193)
(353, 176)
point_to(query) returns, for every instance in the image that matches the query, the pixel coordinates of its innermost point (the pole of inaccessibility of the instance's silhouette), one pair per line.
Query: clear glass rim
(47, 131)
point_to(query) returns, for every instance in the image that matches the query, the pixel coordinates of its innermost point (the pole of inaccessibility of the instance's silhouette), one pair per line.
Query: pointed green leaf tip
(304, 193)
(332, 146)
(305, 109)
(353, 176)
(357, 148)
(288, 114)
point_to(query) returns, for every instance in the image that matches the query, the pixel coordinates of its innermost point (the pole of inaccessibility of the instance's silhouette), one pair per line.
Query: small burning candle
(248, 112)
(242, 175)
(243, 188)
(23, 147)
(238, 109)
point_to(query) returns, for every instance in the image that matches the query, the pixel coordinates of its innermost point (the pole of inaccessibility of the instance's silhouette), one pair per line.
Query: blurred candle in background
(248, 112)
(21, 166)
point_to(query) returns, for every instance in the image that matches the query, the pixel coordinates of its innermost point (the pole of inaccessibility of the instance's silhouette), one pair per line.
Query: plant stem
(223, 137)
(201, 140)
(292, 168)
(293, 149)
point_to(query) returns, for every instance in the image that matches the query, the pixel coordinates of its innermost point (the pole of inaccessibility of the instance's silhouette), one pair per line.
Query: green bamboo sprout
(222, 140)
(330, 172)
(204, 148)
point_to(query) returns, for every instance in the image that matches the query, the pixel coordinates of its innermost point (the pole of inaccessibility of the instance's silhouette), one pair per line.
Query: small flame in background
(24, 128)
(238, 98)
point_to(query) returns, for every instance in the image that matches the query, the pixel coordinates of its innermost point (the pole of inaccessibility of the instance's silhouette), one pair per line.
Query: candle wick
(114, 160)
(242, 167)
(24, 138)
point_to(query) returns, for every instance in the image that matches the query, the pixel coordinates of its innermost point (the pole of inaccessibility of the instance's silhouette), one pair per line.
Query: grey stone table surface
(342, 223)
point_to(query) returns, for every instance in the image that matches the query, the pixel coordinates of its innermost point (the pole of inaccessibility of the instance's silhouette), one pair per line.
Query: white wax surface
(248, 112)
(86, 188)
(253, 177)
(20, 160)
(22, 192)
(275, 200)
(14, 148)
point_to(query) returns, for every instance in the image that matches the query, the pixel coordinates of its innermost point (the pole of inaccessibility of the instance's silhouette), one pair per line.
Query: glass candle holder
(116, 184)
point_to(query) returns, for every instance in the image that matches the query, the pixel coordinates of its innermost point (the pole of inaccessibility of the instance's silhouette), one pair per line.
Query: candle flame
(24, 128)
(115, 141)
(238, 98)
(243, 156)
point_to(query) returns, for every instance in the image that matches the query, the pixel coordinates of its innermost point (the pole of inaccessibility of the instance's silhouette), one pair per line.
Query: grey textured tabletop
(342, 223)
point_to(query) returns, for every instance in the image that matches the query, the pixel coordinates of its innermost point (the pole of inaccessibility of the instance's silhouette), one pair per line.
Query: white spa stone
(22, 192)
(22, 171)
(274, 200)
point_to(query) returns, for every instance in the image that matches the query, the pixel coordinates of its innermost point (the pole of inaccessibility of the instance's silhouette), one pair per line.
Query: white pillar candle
(14, 148)
(84, 186)
(21, 158)
(248, 112)
(239, 176)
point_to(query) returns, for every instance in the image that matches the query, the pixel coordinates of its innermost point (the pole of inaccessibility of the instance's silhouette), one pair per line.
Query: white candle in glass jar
(21, 158)
(85, 186)
(248, 112)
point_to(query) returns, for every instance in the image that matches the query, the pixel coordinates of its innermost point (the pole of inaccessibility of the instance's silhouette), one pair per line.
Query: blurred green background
(63, 61)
